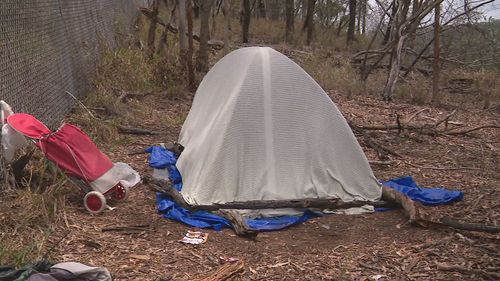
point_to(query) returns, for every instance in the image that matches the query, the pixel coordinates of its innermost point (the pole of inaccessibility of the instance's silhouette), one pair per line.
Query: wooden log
(320, 203)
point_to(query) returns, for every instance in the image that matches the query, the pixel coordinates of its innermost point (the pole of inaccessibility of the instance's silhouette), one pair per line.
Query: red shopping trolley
(77, 156)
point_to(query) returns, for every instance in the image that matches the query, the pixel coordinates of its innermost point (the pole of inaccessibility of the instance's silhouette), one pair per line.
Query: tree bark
(152, 27)
(189, 57)
(352, 21)
(226, 8)
(246, 13)
(290, 14)
(181, 6)
(202, 59)
(436, 67)
(310, 21)
(303, 9)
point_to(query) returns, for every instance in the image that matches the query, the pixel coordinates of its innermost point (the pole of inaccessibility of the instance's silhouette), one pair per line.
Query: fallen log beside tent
(414, 211)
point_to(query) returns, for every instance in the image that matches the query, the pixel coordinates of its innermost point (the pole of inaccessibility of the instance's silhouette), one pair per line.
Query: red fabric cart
(77, 156)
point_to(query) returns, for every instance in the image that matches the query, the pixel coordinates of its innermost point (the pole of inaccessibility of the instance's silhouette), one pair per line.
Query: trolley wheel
(120, 193)
(94, 202)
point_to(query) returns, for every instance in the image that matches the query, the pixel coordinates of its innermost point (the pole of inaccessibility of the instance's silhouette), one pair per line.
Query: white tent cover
(261, 128)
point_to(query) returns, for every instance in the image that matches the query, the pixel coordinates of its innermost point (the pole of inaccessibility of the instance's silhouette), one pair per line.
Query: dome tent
(260, 128)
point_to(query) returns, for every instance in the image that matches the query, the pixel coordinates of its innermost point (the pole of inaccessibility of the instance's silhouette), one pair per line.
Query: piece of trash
(325, 226)
(224, 260)
(377, 277)
(194, 237)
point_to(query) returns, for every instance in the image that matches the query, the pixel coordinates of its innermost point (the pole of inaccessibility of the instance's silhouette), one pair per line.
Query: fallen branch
(135, 131)
(320, 203)
(462, 269)
(469, 226)
(466, 131)
(139, 227)
(225, 272)
(240, 227)
(417, 214)
(440, 168)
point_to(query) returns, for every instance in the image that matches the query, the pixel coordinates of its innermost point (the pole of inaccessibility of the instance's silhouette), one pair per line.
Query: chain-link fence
(49, 50)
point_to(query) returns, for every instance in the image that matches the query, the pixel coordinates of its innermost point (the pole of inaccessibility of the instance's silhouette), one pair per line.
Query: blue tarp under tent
(161, 158)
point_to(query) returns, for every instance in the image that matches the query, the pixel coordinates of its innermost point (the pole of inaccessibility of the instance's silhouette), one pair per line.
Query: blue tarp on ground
(427, 196)
(161, 158)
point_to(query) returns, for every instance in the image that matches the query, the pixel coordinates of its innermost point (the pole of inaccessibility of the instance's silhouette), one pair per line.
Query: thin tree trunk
(213, 29)
(363, 20)
(189, 56)
(413, 32)
(246, 20)
(359, 13)
(391, 23)
(399, 22)
(290, 14)
(352, 21)
(226, 8)
(202, 59)
(436, 67)
(303, 9)
(181, 6)
(310, 21)
(152, 27)
(162, 45)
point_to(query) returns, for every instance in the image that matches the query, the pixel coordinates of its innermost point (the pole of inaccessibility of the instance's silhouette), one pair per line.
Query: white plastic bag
(11, 139)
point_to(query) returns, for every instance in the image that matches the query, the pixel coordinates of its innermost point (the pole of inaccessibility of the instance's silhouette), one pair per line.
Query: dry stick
(440, 168)
(225, 272)
(445, 119)
(465, 131)
(135, 131)
(415, 115)
(138, 227)
(461, 269)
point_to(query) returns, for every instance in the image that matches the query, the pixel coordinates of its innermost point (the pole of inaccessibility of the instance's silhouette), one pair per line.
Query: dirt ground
(377, 246)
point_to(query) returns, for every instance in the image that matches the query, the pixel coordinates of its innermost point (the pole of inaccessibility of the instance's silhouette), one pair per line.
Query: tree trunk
(202, 60)
(413, 32)
(363, 19)
(352, 21)
(290, 14)
(226, 8)
(246, 20)
(436, 68)
(189, 56)
(196, 8)
(303, 9)
(399, 24)
(274, 9)
(391, 23)
(181, 6)
(162, 45)
(152, 27)
(213, 29)
(310, 21)
(359, 13)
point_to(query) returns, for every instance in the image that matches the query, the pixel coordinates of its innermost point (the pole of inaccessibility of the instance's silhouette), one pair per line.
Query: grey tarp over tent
(261, 128)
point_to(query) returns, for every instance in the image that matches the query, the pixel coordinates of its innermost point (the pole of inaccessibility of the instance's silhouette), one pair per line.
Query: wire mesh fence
(49, 50)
